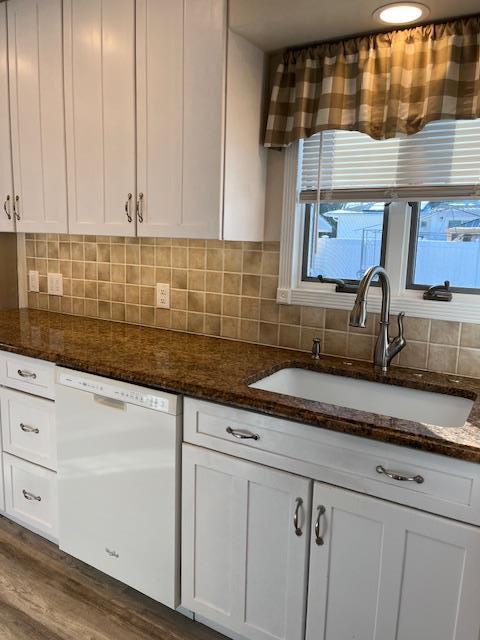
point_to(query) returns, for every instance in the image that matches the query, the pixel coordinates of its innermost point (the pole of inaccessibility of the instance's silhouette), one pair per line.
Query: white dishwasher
(119, 449)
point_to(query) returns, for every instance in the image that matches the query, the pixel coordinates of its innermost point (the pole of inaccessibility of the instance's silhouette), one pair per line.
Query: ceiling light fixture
(401, 12)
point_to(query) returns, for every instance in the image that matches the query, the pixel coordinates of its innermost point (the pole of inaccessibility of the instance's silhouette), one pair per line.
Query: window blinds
(441, 161)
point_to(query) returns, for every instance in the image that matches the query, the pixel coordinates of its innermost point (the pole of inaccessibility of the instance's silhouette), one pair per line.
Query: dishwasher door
(119, 484)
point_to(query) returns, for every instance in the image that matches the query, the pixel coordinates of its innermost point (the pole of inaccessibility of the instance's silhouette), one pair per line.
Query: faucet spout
(385, 349)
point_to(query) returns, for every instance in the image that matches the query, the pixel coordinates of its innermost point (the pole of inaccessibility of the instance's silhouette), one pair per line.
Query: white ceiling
(275, 24)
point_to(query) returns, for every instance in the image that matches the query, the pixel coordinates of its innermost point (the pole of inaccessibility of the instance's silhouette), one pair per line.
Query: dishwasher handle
(111, 403)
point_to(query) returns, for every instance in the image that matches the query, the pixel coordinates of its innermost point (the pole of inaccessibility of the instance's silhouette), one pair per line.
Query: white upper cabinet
(205, 41)
(37, 114)
(100, 115)
(386, 571)
(7, 222)
(140, 105)
(180, 81)
(160, 116)
(245, 157)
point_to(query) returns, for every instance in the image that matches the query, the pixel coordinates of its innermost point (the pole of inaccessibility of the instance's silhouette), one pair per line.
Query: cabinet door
(386, 572)
(6, 187)
(180, 93)
(243, 565)
(37, 114)
(100, 115)
(2, 483)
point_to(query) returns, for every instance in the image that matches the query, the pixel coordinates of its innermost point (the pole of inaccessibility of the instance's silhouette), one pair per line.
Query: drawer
(28, 427)
(438, 484)
(31, 495)
(27, 374)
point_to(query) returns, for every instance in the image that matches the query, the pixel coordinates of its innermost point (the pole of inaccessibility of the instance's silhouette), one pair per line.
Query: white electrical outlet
(33, 281)
(55, 284)
(163, 295)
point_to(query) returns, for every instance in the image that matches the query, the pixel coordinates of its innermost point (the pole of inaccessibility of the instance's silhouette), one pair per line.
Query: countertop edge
(269, 408)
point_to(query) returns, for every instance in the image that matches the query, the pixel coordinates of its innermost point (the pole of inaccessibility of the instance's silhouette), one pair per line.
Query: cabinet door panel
(243, 565)
(180, 59)
(353, 576)
(160, 114)
(390, 572)
(6, 186)
(215, 491)
(427, 564)
(37, 114)
(100, 115)
(204, 115)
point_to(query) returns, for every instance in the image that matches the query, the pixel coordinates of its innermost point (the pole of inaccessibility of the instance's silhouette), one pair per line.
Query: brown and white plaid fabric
(382, 85)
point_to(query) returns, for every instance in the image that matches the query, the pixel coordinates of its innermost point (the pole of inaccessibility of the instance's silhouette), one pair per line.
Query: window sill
(463, 307)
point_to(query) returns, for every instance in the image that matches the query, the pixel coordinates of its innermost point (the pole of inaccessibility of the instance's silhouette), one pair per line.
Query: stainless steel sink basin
(398, 402)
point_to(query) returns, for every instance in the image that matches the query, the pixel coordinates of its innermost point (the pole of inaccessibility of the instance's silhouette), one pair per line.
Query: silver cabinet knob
(23, 373)
(31, 496)
(242, 434)
(128, 207)
(398, 476)
(26, 428)
(296, 517)
(16, 207)
(140, 207)
(318, 537)
(6, 207)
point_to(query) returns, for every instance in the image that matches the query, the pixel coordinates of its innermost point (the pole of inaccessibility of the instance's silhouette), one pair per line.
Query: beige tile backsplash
(225, 289)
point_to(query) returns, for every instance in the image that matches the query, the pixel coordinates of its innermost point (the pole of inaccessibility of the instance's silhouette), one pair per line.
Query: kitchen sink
(398, 402)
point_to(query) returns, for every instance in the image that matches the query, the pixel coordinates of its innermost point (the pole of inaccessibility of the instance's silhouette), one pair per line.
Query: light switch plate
(163, 296)
(33, 281)
(55, 284)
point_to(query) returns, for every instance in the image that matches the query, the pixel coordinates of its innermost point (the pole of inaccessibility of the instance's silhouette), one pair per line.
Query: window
(411, 204)
(342, 239)
(445, 245)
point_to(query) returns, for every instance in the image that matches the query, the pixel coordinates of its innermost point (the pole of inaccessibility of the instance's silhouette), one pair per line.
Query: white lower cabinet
(244, 560)
(2, 492)
(28, 462)
(28, 427)
(31, 495)
(387, 572)
(377, 570)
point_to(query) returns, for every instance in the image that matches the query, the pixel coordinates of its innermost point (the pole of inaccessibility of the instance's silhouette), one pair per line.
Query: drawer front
(31, 495)
(27, 374)
(435, 483)
(28, 427)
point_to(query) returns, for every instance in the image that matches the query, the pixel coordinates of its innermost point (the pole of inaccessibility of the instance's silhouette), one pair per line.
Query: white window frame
(292, 290)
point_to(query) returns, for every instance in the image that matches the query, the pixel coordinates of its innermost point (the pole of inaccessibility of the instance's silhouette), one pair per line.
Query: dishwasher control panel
(143, 398)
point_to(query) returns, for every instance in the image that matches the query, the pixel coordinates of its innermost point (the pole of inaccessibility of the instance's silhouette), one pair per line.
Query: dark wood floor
(47, 595)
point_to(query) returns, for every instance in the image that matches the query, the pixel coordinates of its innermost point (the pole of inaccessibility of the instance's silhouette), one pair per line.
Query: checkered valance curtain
(383, 85)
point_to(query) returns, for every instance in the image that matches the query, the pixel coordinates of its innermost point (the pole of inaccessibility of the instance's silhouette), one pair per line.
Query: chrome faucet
(385, 349)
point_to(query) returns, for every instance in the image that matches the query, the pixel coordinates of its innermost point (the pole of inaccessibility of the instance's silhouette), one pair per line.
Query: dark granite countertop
(220, 370)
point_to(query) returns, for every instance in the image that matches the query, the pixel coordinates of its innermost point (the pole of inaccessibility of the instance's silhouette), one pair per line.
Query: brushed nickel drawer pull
(242, 435)
(140, 207)
(23, 373)
(16, 207)
(398, 476)
(31, 496)
(6, 208)
(28, 429)
(318, 538)
(128, 205)
(298, 504)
